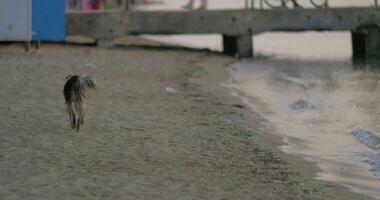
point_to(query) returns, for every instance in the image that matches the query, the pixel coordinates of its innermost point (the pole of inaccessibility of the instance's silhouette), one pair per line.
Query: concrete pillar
(373, 42)
(238, 45)
(366, 42)
(245, 46)
(105, 43)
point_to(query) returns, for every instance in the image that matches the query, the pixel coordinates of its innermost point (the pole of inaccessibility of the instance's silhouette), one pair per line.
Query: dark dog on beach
(76, 92)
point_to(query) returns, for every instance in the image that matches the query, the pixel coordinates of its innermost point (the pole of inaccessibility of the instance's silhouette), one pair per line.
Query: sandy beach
(139, 141)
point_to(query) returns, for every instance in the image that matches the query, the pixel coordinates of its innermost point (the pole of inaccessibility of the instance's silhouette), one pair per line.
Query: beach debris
(90, 65)
(170, 90)
(238, 106)
(367, 138)
(302, 104)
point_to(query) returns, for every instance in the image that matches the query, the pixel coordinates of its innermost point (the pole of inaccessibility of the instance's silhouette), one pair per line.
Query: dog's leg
(71, 116)
(79, 114)
(73, 121)
(78, 121)
(82, 118)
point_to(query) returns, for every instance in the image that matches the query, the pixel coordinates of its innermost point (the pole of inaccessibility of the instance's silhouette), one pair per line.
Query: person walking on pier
(296, 4)
(190, 5)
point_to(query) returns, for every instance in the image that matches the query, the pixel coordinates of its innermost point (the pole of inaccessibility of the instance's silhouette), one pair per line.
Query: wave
(373, 142)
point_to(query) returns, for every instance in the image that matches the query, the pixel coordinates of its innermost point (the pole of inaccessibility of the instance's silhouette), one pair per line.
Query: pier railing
(318, 4)
(144, 5)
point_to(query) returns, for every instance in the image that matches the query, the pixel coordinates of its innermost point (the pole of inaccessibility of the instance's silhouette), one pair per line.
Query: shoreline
(356, 174)
(138, 141)
(273, 144)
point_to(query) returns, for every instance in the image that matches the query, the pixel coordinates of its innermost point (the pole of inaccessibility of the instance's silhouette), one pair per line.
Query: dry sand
(138, 141)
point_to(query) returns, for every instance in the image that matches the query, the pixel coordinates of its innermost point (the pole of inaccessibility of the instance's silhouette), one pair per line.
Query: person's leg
(204, 4)
(189, 6)
(296, 4)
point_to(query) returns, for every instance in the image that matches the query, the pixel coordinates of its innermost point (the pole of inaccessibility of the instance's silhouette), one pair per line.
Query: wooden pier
(236, 26)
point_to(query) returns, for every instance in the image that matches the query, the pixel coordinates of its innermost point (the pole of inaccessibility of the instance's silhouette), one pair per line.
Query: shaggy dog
(75, 92)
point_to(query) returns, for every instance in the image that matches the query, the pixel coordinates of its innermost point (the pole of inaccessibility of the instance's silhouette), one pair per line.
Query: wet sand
(140, 142)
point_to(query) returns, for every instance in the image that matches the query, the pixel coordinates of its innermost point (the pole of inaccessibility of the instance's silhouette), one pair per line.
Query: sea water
(310, 90)
(322, 101)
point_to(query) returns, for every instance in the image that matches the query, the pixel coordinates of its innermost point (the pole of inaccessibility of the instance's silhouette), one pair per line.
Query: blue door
(48, 20)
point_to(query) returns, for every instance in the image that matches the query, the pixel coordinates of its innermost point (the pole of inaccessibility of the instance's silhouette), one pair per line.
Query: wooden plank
(227, 22)
(96, 24)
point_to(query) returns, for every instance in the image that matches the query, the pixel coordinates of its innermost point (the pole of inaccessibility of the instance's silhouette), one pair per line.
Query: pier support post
(358, 44)
(105, 43)
(229, 45)
(238, 45)
(366, 42)
(373, 42)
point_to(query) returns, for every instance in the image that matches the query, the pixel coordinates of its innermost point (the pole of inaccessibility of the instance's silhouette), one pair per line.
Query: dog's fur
(76, 92)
